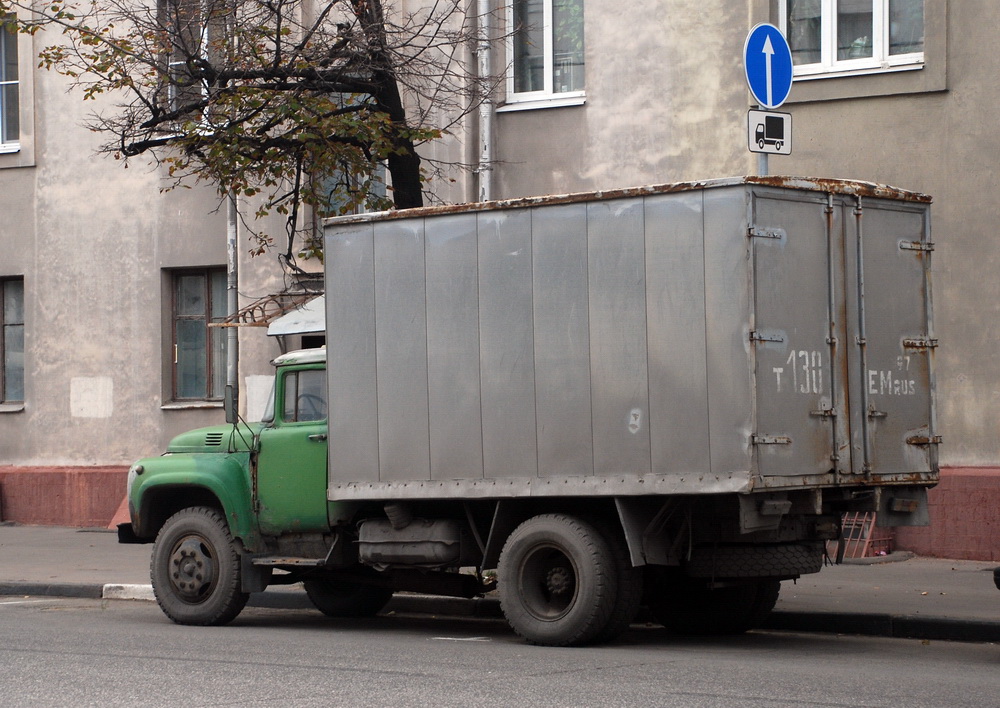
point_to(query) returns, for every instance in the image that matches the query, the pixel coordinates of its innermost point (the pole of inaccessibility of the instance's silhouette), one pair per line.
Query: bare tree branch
(298, 101)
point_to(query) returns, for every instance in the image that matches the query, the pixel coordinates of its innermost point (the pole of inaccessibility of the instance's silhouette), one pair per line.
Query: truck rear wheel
(689, 606)
(336, 598)
(628, 597)
(195, 569)
(558, 581)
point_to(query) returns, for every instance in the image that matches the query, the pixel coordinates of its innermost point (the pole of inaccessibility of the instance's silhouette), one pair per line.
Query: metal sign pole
(767, 66)
(761, 157)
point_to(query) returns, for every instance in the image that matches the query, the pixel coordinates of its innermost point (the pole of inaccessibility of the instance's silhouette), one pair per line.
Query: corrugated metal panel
(401, 350)
(350, 348)
(620, 384)
(453, 373)
(562, 341)
(616, 347)
(507, 345)
(727, 308)
(676, 333)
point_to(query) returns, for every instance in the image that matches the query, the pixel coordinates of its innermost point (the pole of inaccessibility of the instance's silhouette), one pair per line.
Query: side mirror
(229, 403)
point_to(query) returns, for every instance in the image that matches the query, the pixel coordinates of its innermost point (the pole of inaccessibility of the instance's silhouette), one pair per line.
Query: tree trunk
(404, 163)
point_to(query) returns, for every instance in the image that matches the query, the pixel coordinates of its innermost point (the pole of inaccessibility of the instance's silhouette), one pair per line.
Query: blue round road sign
(767, 61)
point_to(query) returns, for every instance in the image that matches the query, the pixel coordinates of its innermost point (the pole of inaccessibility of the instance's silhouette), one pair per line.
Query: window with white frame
(9, 88)
(188, 30)
(545, 51)
(11, 340)
(199, 361)
(853, 36)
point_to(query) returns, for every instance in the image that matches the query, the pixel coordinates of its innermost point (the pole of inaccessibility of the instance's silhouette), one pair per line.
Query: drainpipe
(484, 67)
(232, 303)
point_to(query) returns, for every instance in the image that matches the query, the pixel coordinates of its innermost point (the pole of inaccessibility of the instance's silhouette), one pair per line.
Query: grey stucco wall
(665, 96)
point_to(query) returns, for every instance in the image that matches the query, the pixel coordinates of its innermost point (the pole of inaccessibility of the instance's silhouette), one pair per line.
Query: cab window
(305, 396)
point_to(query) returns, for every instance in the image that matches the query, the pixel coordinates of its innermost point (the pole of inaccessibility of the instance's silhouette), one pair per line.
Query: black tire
(628, 599)
(195, 569)
(688, 606)
(786, 561)
(558, 581)
(336, 598)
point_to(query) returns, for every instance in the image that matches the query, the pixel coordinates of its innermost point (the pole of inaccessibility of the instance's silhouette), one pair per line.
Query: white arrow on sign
(768, 53)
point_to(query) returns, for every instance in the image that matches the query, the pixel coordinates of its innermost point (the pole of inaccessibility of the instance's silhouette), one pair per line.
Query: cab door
(291, 462)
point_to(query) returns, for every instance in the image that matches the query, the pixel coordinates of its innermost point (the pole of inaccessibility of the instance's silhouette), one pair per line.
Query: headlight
(133, 472)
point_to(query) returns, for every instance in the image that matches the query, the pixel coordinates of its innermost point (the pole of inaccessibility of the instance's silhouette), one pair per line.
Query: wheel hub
(559, 581)
(192, 569)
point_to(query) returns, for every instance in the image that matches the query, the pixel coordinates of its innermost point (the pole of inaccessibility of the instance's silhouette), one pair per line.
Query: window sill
(866, 71)
(576, 99)
(11, 407)
(190, 405)
(910, 79)
(6, 148)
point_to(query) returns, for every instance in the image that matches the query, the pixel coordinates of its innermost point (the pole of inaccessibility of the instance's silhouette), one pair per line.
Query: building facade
(108, 283)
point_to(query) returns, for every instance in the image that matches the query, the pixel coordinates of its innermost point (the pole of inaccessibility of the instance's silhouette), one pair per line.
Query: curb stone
(872, 624)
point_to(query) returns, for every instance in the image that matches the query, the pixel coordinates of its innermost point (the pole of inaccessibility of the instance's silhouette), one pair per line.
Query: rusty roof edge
(851, 187)
(813, 184)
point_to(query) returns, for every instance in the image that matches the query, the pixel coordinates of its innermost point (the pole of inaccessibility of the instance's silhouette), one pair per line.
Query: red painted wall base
(965, 517)
(964, 507)
(61, 496)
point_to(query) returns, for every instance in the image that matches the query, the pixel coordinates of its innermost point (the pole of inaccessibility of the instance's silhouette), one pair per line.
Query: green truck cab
(227, 505)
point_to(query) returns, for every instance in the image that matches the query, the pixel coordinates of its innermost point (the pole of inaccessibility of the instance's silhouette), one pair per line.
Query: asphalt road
(81, 652)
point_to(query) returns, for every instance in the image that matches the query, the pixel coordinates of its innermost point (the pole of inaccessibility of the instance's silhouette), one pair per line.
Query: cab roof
(302, 356)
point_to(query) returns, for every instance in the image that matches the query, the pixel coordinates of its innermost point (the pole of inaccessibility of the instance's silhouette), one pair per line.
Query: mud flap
(902, 506)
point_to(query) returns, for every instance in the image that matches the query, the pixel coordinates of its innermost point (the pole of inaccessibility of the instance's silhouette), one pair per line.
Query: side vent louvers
(213, 439)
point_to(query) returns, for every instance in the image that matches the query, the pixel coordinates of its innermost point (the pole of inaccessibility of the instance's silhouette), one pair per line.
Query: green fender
(158, 487)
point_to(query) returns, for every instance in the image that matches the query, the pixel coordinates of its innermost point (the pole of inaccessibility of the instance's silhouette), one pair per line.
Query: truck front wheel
(195, 569)
(557, 581)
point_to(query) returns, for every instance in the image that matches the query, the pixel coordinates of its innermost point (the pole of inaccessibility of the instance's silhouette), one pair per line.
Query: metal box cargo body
(726, 336)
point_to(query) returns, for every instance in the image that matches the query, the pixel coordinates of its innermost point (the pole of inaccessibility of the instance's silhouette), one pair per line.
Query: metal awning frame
(263, 311)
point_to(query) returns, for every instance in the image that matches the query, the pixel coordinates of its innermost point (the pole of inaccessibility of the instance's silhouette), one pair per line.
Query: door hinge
(924, 440)
(916, 245)
(920, 343)
(758, 232)
(771, 440)
(756, 336)
(824, 413)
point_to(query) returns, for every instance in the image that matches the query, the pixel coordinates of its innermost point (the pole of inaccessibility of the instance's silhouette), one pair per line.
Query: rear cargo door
(891, 337)
(797, 333)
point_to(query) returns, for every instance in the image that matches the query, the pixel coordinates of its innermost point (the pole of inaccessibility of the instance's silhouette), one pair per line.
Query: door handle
(318, 437)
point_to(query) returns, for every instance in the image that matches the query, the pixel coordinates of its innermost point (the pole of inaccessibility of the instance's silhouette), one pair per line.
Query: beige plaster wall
(91, 239)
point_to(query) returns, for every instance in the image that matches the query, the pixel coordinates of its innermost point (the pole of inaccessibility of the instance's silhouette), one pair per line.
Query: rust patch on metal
(842, 186)
(808, 184)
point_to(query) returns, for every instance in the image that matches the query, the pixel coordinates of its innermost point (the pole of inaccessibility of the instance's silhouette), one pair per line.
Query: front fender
(158, 487)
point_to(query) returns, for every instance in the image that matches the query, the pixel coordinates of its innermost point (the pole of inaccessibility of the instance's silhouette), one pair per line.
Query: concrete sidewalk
(925, 598)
